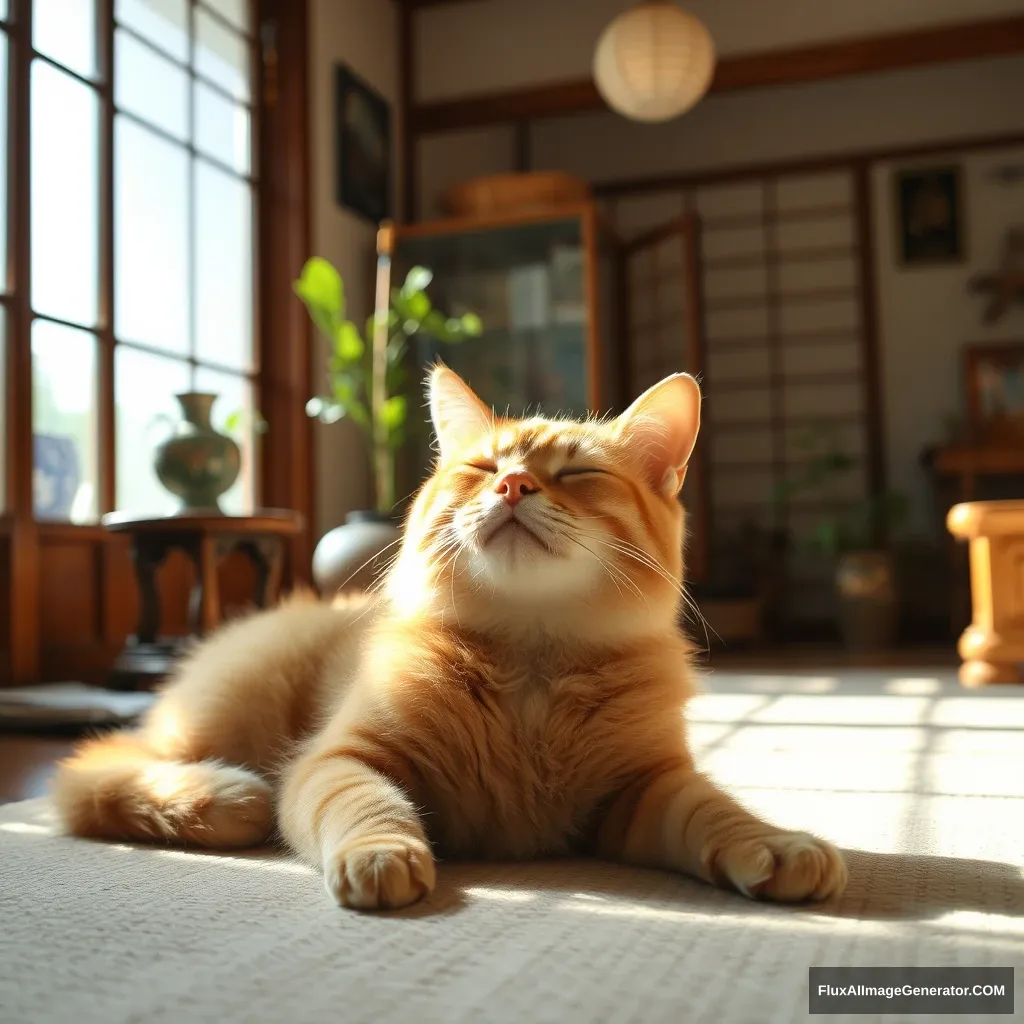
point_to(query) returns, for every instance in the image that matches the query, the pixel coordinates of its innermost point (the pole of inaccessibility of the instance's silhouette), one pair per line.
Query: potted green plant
(369, 391)
(856, 538)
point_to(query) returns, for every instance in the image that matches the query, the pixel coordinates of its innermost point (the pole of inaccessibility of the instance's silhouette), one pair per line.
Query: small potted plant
(857, 540)
(369, 392)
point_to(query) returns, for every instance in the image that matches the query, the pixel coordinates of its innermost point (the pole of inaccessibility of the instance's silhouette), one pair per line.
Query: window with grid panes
(168, 116)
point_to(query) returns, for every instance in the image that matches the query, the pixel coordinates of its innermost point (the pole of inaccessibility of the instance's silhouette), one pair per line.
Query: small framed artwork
(995, 390)
(362, 147)
(929, 216)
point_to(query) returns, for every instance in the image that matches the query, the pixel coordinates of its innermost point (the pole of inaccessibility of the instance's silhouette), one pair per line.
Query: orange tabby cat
(516, 691)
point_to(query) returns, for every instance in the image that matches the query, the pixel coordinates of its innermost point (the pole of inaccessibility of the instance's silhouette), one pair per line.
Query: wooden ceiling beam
(947, 44)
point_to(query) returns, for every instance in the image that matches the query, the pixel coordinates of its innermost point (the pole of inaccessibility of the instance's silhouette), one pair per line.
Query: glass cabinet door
(526, 283)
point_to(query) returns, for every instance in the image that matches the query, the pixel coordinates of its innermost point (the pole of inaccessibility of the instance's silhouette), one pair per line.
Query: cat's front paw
(377, 873)
(786, 866)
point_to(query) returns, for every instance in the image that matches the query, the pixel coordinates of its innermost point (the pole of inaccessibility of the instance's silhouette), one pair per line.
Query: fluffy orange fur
(516, 690)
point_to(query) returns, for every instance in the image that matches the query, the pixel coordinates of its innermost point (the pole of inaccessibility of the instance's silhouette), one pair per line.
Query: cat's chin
(513, 536)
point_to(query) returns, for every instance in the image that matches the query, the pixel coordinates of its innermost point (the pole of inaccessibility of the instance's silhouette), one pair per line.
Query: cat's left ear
(459, 417)
(661, 427)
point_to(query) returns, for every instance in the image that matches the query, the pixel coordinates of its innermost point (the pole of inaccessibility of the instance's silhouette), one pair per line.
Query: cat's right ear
(459, 417)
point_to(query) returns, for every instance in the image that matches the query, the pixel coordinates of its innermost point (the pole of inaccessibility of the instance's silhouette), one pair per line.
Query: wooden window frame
(278, 113)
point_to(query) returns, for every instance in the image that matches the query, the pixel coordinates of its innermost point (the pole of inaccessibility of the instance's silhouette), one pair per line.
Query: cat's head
(533, 523)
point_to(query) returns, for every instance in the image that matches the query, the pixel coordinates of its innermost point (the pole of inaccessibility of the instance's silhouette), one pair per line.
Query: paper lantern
(654, 61)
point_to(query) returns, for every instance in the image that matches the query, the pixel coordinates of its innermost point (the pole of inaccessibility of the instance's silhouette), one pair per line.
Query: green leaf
(396, 351)
(417, 306)
(233, 422)
(417, 280)
(392, 413)
(319, 282)
(436, 325)
(472, 325)
(348, 345)
(396, 377)
(320, 288)
(826, 537)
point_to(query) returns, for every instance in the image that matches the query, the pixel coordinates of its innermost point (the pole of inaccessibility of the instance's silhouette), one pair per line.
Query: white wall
(900, 108)
(491, 45)
(927, 314)
(363, 35)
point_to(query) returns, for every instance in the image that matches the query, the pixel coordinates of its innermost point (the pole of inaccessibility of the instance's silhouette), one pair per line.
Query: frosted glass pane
(221, 55)
(3, 8)
(235, 11)
(223, 280)
(150, 87)
(151, 239)
(235, 396)
(144, 390)
(66, 31)
(64, 399)
(163, 22)
(65, 190)
(222, 128)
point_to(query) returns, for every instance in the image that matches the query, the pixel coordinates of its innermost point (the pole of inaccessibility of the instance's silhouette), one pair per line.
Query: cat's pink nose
(513, 487)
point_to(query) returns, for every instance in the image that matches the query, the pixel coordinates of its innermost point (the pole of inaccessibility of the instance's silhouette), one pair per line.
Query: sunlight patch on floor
(486, 892)
(845, 709)
(255, 863)
(27, 828)
(790, 684)
(913, 686)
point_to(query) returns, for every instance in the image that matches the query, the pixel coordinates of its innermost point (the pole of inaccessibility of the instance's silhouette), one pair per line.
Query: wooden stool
(992, 646)
(207, 538)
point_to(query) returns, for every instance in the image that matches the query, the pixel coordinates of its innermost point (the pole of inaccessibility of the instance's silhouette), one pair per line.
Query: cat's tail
(118, 787)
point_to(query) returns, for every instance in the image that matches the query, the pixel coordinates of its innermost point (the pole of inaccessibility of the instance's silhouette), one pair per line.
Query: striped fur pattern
(516, 690)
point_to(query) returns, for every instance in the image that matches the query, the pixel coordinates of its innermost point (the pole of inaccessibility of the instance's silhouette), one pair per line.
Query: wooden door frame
(687, 227)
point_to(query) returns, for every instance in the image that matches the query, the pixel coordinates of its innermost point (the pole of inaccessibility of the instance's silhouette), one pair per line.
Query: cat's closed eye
(483, 466)
(579, 471)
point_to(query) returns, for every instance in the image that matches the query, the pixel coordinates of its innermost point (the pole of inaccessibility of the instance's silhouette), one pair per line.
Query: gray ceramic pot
(866, 585)
(196, 463)
(353, 556)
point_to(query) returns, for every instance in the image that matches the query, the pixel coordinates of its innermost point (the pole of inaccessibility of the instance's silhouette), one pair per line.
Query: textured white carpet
(924, 779)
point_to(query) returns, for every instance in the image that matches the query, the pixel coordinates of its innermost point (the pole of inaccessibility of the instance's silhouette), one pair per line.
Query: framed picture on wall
(995, 390)
(929, 216)
(362, 147)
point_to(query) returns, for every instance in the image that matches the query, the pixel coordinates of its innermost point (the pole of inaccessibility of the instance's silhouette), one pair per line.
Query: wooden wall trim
(800, 165)
(284, 243)
(871, 370)
(993, 37)
(24, 550)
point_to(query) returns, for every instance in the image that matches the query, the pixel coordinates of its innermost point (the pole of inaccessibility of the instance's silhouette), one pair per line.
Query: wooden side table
(965, 473)
(992, 646)
(207, 539)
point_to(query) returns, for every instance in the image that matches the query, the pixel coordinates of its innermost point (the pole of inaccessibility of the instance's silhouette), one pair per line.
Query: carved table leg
(204, 612)
(266, 557)
(147, 554)
(145, 658)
